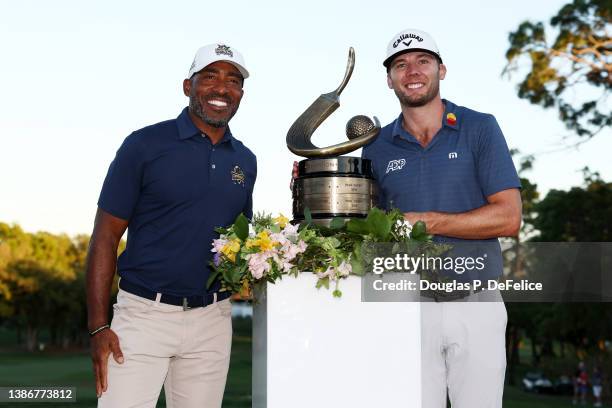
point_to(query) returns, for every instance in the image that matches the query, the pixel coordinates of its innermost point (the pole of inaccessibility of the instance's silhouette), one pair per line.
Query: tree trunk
(535, 358)
(513, 353)
(547, 348)
(54, 335)
(31, 338)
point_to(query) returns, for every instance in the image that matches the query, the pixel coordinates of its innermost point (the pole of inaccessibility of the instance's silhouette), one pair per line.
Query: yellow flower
(231, 249)
(262, 241)
(281, 220)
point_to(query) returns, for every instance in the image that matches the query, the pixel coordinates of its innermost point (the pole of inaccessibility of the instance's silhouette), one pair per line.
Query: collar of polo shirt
(187, 129)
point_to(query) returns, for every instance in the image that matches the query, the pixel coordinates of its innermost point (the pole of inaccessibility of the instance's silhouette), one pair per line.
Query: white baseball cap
(410, 40)
(210, 53)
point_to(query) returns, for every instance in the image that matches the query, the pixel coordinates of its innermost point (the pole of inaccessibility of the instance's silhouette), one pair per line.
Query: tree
(520, 315)
(582, 214)
(579, 60)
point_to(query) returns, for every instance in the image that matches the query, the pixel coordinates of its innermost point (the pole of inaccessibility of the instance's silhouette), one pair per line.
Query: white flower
(291, 231)
(403, 228)
(345, 269)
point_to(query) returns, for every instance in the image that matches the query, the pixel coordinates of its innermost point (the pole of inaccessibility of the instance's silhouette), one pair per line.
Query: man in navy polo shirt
(170, 185)
(450, 167)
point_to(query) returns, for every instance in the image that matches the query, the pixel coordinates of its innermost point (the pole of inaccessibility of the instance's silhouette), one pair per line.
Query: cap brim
(397, 54)
(243, 71)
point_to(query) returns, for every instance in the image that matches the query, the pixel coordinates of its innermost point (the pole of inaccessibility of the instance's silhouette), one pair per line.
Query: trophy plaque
(330, 185)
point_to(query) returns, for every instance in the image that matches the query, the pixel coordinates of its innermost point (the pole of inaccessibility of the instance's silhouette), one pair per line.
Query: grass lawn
(74, 369)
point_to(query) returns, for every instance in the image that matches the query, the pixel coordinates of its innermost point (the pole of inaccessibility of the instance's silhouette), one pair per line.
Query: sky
(78, 77)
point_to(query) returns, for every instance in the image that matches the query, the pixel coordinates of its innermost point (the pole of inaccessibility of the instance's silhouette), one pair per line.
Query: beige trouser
(187, 352)
(463, 351)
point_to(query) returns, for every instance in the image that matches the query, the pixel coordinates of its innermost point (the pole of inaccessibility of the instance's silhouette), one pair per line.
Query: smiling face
(214, 93)
(415, 78)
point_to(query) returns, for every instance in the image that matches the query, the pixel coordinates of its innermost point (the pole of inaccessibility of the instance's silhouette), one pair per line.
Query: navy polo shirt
(465, 162)
(175, 187)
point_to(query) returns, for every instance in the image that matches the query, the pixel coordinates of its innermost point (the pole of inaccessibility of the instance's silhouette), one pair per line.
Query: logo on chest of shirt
(238, 175)
(395, 165)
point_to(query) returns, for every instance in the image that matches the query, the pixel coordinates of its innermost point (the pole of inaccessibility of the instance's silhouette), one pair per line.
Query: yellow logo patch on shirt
(238, 175)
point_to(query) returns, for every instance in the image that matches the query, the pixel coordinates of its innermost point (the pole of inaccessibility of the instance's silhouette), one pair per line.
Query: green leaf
(336, 223)
(212, 277)
(337, 293)
(419, 231)
(358, 226)
(323, 283)
(357, 266)
(378, 224)
(241, 227)
(307, 215)
(236, 274)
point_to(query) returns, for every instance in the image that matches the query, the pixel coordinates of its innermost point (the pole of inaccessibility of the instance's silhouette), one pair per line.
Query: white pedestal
(313, 350)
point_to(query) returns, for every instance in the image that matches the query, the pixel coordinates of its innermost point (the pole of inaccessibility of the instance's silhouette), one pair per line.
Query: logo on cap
(404, 37)
(224, 50)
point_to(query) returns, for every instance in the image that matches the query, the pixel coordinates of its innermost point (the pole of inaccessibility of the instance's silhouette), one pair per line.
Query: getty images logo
(395, 165)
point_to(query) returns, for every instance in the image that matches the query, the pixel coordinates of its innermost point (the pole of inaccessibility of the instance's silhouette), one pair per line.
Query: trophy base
(334, 187)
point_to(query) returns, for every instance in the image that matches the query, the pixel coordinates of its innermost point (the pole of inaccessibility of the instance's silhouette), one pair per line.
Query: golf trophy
(327, 184)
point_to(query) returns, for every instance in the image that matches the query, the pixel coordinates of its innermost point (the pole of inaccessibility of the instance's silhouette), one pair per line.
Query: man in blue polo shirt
(450, 167)
(170, 185)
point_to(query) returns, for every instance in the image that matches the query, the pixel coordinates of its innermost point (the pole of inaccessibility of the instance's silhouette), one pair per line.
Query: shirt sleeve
(248, 207)
(122, 185)
(496, 171)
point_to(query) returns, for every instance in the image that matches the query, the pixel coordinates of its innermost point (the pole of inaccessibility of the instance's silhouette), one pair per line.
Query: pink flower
(302, 246)
(291, 230)
(279, 237)
(218, 244)
(328, 273)
(291, 250)
(258, 264)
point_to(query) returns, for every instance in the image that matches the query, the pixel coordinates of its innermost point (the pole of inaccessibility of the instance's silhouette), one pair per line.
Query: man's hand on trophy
(294, 175)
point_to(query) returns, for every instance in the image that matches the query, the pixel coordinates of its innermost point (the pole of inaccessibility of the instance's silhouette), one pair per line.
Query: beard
(197, 108)
(419, 100)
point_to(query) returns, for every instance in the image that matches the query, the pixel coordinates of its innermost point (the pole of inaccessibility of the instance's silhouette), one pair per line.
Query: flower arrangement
(268, 248)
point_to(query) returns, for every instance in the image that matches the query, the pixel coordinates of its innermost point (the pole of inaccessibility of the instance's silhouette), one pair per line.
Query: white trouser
(463, 351)
(187, 352)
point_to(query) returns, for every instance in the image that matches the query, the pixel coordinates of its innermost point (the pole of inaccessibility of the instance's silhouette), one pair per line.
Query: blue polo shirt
(175, 187)
(465, 162)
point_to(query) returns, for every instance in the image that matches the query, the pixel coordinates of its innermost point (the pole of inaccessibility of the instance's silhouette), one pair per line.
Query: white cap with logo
(411, 40)
(208, 54)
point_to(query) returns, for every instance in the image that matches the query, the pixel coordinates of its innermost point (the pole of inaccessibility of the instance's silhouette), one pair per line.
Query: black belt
(443, 296)
(187, 302)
